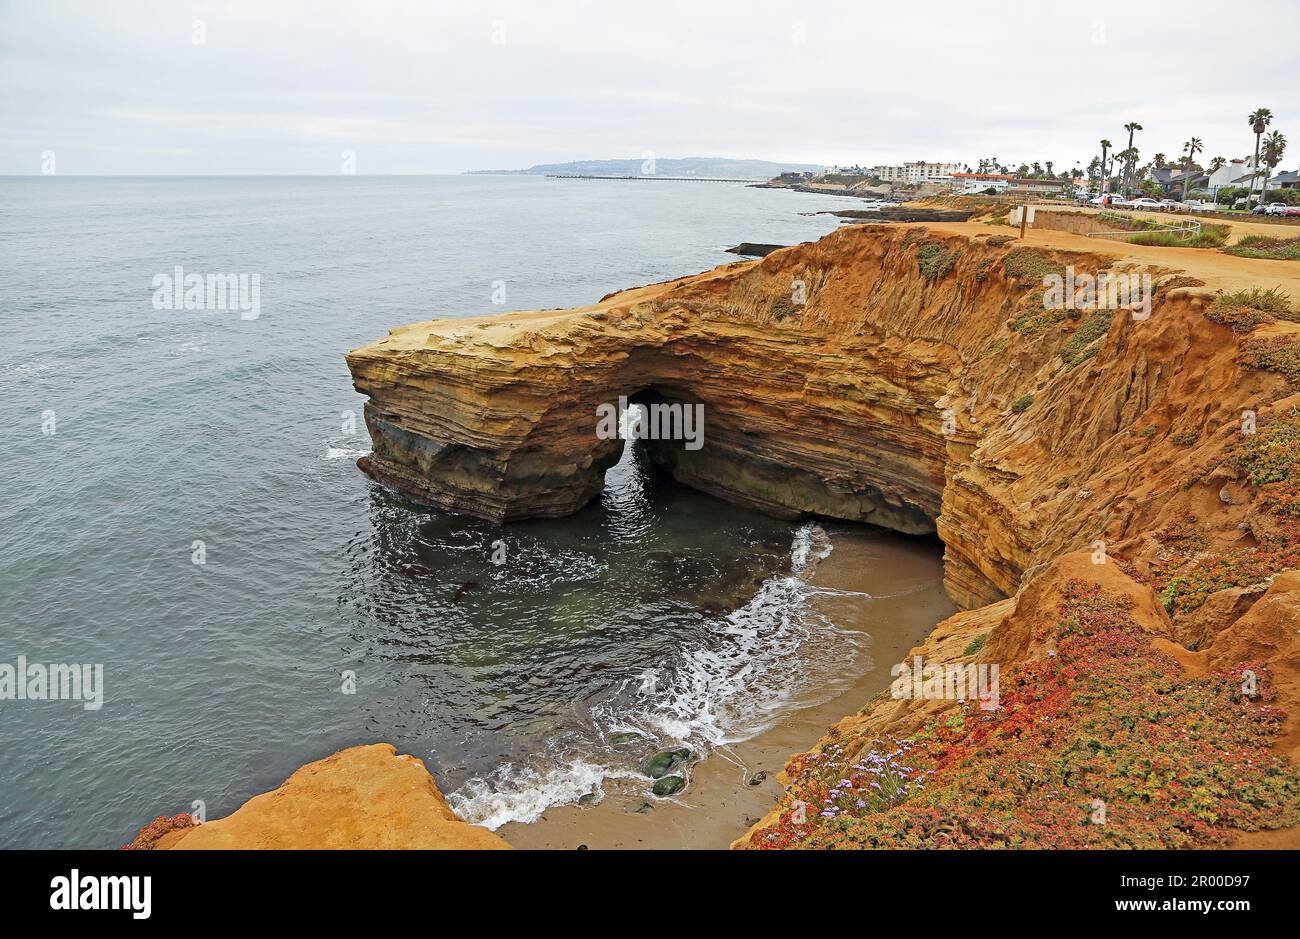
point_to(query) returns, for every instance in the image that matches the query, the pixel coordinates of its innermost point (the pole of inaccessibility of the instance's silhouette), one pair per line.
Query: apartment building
(913, 174)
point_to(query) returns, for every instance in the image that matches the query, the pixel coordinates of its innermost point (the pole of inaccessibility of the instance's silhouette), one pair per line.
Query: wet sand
(904, 577)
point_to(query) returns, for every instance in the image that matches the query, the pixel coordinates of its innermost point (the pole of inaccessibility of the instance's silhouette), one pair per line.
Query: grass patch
(976, 645)
(1153, 232)
(1261, 246)
(1022, 404)
(997, 241)
(1208, 237)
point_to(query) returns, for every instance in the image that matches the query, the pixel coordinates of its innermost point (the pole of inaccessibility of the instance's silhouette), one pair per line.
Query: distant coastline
(651, 166)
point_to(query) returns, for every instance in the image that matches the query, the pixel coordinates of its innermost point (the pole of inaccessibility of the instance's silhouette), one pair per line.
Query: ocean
(182, 507)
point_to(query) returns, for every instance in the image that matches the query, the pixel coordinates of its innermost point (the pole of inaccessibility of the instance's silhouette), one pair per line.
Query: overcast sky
(123, 86)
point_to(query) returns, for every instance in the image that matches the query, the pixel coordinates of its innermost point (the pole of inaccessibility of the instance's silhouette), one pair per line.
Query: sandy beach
(903, 578)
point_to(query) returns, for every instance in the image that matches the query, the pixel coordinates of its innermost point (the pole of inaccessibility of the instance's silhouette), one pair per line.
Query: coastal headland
(1116, 495)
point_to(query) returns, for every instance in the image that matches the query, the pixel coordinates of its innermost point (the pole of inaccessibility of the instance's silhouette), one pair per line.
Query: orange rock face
(923, 381)
(884, 397)
(363, 798)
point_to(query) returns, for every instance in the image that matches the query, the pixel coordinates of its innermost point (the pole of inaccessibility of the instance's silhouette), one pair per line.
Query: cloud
(448, 86)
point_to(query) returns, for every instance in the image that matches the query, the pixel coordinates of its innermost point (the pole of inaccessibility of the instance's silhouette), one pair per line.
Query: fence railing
(1186, 230)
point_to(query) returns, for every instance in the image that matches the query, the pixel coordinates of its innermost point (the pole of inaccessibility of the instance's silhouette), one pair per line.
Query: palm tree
(1159, 161)
(1128, 159)
(1217, 164)
(1048, 164)
(1192, 147)
(1105, 145)
(1271, 154)
(1131, 127)
(1259, 119)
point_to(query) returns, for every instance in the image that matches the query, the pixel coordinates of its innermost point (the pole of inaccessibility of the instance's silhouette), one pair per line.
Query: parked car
(1149, 204)
(1293, 211)
(1275, 208)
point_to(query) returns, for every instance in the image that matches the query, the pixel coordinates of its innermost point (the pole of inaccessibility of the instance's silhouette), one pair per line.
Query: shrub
(1036, 320)
(1089, 331)
(1243, 310)
(1028, 263)
(782, 308)
(976, 644)
(935, 260)
(1279, 354)
(1021, 404)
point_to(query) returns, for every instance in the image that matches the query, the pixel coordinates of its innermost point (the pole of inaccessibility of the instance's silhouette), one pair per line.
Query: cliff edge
(367, 798)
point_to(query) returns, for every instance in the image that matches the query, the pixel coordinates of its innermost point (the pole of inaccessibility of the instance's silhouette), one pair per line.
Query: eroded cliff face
(1118, 496)
(884, 397)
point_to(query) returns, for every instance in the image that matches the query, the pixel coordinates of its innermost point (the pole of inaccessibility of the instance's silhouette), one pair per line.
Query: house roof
(981, 175)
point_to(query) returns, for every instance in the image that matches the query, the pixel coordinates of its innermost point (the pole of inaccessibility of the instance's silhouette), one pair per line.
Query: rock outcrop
(365, 797)
(870, 376)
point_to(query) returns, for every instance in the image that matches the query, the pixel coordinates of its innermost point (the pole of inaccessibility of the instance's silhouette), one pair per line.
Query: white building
(1228, 174)
(916, 173)
(969, 183)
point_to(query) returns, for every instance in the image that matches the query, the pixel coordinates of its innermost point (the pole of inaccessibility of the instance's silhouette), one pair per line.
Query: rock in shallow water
(669, 785)
(665, 761)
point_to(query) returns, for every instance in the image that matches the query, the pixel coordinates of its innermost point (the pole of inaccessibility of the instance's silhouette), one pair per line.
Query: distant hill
(688, 166)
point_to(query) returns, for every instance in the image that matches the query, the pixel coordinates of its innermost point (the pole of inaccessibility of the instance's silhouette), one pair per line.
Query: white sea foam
(344, 453)
(811, 543)
(522, 794)
(774, 654)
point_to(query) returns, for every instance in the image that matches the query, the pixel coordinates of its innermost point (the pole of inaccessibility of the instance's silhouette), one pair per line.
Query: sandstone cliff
(362, 798)
(915, 378)
(884, 398)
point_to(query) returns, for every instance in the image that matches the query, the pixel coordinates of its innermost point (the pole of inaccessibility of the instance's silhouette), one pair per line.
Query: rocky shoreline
(1087, 472)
